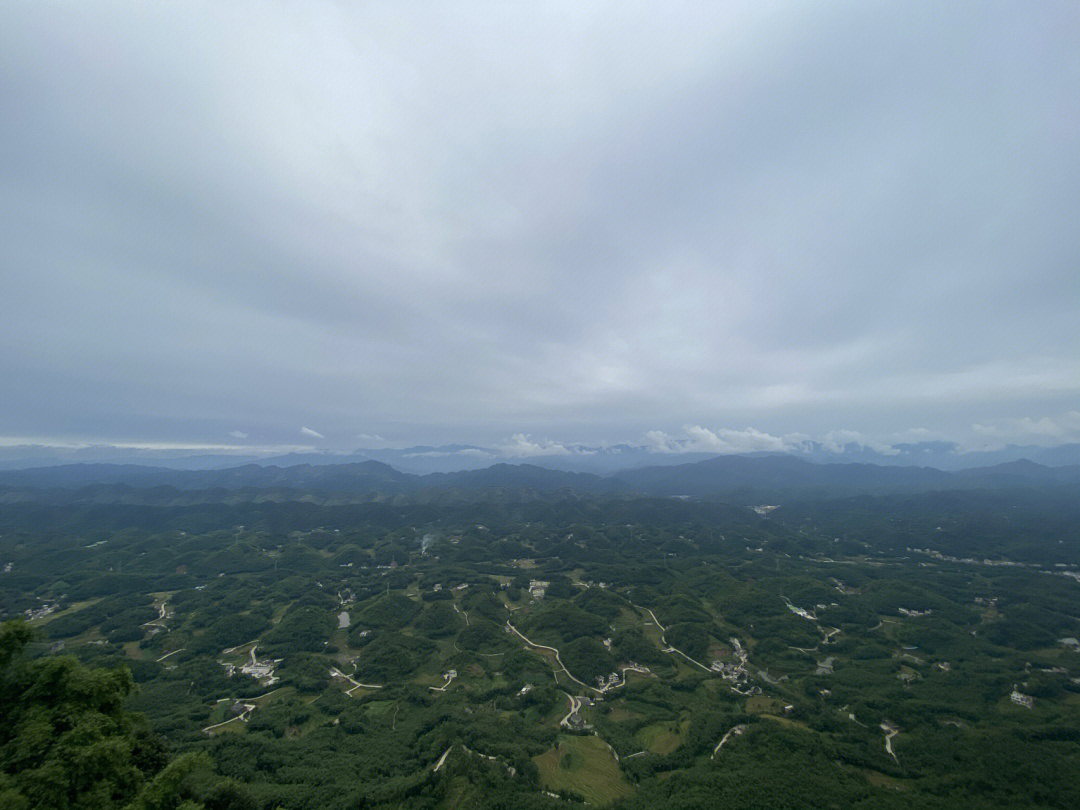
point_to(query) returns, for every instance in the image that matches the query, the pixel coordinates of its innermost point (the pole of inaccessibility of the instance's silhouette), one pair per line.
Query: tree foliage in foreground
(66, 741)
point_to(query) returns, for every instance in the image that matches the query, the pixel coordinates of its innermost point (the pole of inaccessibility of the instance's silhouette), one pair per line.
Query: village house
(1017, 697)
(538, 587)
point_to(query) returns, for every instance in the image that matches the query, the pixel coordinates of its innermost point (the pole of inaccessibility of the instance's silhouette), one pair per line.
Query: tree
(66, 741)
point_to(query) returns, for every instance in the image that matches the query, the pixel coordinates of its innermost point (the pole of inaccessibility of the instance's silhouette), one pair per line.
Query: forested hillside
(530, 649)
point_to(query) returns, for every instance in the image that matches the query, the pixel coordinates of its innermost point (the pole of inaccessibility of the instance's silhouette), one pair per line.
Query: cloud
(238, 434)
(918, 434)
(1064, 428)
(472, 452)
(697, 439)
(836, 441)
(54, 449)
(521, 445)
(314, 434)
(566, 219)
(372, 441)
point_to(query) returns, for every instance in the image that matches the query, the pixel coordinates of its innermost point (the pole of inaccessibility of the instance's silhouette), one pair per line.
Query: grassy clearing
(620, 714)
(878, 779)
(585, 766)
(74, 607)
(786, 721)
(235, 727)
(276, 617)
(762, 704)
(378, 708)
(273, 696)
(661, 738)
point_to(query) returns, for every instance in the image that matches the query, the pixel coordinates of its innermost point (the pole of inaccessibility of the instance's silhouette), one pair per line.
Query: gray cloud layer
(590, 222)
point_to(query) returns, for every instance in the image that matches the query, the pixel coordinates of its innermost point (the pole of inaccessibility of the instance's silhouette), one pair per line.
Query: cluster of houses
(610, 682)
(576, 720)
(937, 555)
(914, 613)
(736, 674)
(614, 679)
(538, 587)
(41, 612)
(847, 590)
(262, 671)
(448, 678)
(1019, 698)
(801, 612)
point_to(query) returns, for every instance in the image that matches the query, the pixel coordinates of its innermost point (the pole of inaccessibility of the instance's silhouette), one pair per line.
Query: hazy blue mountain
(739, 479)
(363, 476)
(761, 476)
(424, 459)
(937, 454)
(525, 476)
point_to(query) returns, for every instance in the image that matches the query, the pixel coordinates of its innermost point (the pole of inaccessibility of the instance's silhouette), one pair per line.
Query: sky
(687, 226)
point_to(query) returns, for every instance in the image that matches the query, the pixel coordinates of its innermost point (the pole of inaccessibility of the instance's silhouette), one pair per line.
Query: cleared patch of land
(585, 766)
(660, 738)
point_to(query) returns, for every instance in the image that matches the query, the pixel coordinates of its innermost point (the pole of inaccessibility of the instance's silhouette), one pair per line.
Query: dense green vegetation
(287, 653)
(67, 741)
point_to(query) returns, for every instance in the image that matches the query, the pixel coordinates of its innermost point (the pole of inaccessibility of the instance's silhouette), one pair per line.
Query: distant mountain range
(738, 479)
(424, 459)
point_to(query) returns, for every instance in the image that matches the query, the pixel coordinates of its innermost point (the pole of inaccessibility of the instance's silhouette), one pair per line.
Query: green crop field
(660, 738)
(585, 766)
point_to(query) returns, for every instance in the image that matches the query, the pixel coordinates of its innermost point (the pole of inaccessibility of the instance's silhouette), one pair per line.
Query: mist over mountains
(599, 460)
(738, 479)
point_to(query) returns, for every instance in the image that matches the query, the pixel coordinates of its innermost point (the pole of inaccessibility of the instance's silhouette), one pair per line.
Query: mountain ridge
(600, 460)
(744, 479)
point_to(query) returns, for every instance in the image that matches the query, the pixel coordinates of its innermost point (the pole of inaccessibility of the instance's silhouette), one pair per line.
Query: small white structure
(538, 587)
(1017, 697)
(914, 613)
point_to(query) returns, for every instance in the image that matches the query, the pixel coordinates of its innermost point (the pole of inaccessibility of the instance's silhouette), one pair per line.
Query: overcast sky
(336, 225)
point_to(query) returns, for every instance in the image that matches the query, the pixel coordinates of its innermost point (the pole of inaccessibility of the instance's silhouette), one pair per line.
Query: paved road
(557, 658)
(890, 732)
(356, 684)
(732, 732)
(667, 647)
(442, 759)
(575, 706)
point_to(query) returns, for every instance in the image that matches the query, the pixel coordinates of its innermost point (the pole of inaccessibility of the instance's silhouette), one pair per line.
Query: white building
(1027, 701)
